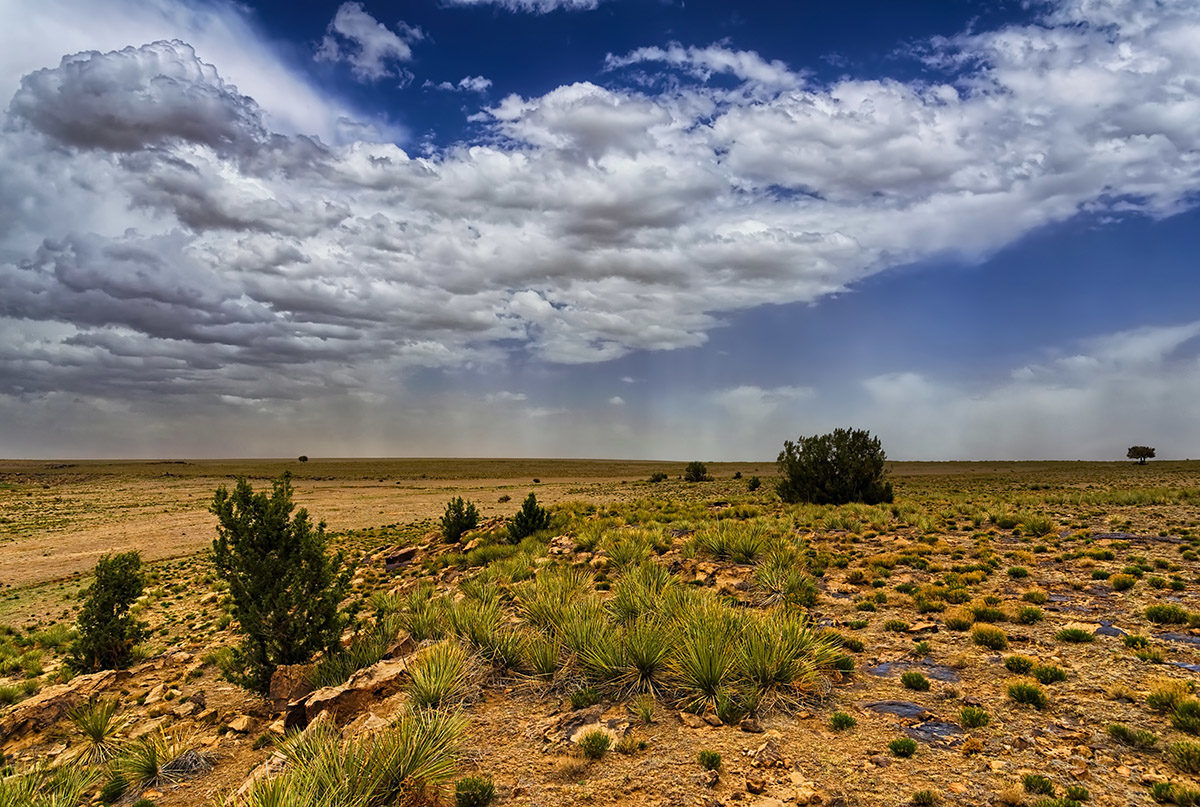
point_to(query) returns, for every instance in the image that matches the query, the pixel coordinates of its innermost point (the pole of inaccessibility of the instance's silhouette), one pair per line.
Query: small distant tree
(459, 517)
(754, 484)
(695, 472)
(658, 476)
(846, 465)
(303, 458)
(529, 519)
(1140, 453)
(107, 630)
(286, 587)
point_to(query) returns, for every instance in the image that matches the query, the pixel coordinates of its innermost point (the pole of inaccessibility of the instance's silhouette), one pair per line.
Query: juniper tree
(529, 519)
(107, 629)
(285, 585)
(846, 465)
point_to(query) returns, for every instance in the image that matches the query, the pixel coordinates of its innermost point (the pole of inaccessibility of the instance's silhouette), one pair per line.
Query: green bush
(1078, 793)
(529, 519)
(1027, 694)
(1166, 615)
(695, 472)
(895, 625)
(1122, 582)
(107, 629)
(926, 798)
(1029, 615)
(989, 636)
(914, 680)
(1048, 673)
(840, 721)
(753, 484)
(656, 477)
(1185, 755)
(459, 517)
(584, 697)
(973, 717)
(1186, 716)
(1037, 784)
(595, 743)
(474, 791)
(903, 747)
(1017, 572)
(285, 586)
(844, 466)
(1075, 636)
(709, 760)
(1018, 664)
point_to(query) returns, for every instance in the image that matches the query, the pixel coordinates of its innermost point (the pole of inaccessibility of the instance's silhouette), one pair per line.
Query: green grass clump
(474, 791)
(974, 717)
(1135, 641)
(1037, 785)
(1166, 615)
(1134, 738)
(903, 747)
(915, 681)
(926, 798)
(595, 743)
(584, 697)
(1048, 673)
(1017, 572)
(1018, 664)
(1166, 695)
(840, 721)
(895, 625)
(1075, 635)
(1186, 716)
(989, 636)
(1078, 793)
(1030, 615)
(1122, 582)
(1027, 694)
(1185, 755)
(958, 619)
(709, 760)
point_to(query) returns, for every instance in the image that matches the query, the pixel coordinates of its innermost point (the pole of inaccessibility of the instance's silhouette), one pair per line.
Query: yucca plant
(398, 765)
(781, 580)
(97, 721)
(159, 757)
(773, 668)
(544, 600)
(438, 676)
(44, 786)
(582, 624)
(647, 645)
(702, 666)
(640, 590)
(475, 622)
(602, 655)
(542, 655)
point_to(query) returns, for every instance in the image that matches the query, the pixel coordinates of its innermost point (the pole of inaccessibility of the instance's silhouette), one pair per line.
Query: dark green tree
(529, 519)
(459, 517)
(285, 585)
(846, 465)
(1140, 453)
(695, 472)
(107, 631)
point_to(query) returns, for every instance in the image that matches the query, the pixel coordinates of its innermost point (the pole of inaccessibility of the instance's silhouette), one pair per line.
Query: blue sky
(617, 228)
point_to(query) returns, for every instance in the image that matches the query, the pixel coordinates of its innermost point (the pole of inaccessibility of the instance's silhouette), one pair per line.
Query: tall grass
(44, 786)
(438, 676)
(97, 721)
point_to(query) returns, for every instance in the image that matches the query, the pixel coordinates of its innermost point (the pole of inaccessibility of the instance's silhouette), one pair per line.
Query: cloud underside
(159, 238)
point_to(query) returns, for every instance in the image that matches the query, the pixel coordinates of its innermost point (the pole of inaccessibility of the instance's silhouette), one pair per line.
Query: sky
(598, 228)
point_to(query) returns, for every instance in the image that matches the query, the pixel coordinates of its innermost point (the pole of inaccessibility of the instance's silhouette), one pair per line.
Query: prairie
(1003, 617)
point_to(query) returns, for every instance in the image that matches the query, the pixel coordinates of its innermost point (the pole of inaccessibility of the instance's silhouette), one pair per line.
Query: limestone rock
(289, 682)
(692, 721)
(53, 702)
(343, 702)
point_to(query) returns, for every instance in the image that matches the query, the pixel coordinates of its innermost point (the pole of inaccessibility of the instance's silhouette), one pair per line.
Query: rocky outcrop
(345, 701)
(54, 702)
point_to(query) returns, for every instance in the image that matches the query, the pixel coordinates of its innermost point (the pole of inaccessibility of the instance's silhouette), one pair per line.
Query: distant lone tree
(1140, 453)
(107, 630)
(303, 458)
(286, 587)
(529, 519)
(459, 517)
(695, 472)
(846, 465)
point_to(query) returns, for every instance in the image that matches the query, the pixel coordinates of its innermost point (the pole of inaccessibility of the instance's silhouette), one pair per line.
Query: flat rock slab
(937, 672)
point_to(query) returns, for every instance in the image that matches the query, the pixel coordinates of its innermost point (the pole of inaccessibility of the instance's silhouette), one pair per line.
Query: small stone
(707, 779)
(692, 721)
(957, 787)
(712, 720)
(241, 724)
(750, 726)
(155, 695)
(880, 761)
(755, 785)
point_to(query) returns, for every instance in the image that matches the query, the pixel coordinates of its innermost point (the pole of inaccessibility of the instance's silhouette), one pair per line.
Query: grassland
(1017, 611)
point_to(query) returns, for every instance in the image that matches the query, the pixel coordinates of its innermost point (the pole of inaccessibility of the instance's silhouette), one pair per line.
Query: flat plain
(1002, 616)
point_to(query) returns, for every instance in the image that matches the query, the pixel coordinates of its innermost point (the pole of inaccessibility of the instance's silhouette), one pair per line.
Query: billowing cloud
(367, 45)
(161, 235)
(531, 6)
(465, 84)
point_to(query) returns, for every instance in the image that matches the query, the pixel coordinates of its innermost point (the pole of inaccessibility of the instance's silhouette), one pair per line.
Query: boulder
(289, 682)
(345, 701)
(399, 559)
